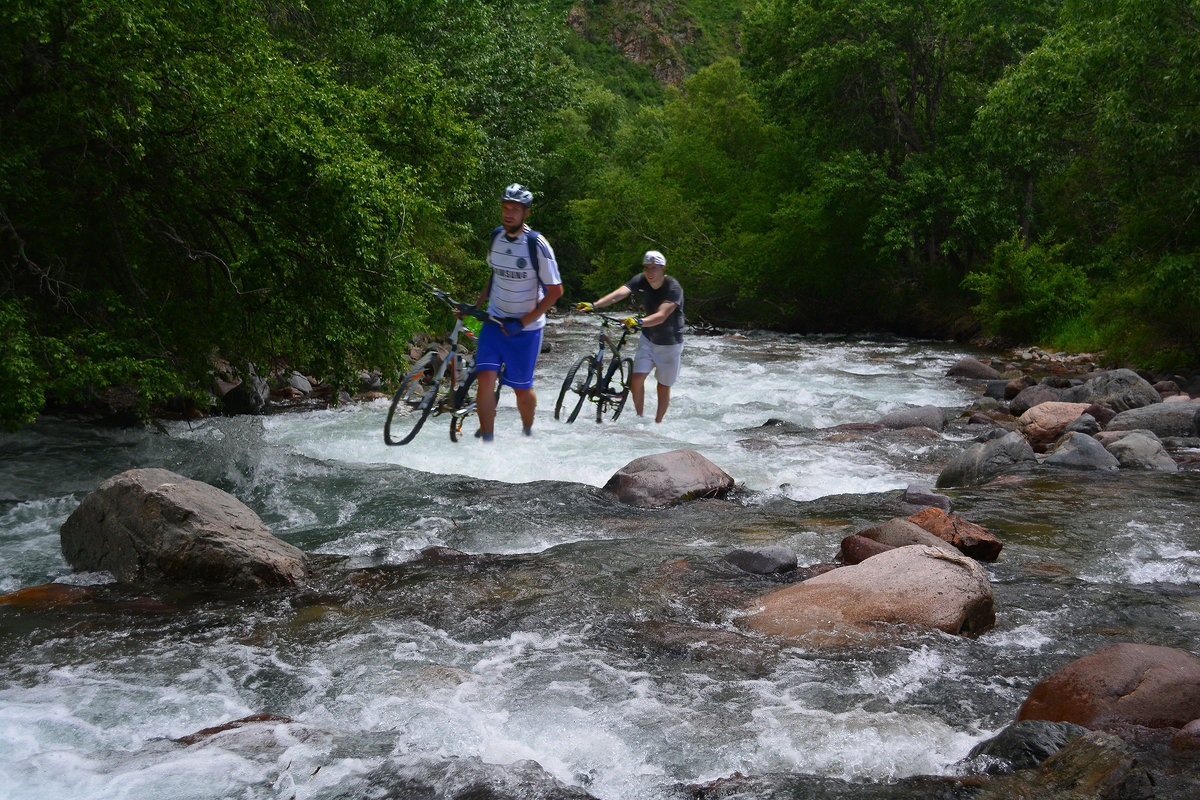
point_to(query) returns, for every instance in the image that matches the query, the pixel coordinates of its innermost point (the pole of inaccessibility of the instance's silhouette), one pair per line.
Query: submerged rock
(154, 527)
(1022, 745)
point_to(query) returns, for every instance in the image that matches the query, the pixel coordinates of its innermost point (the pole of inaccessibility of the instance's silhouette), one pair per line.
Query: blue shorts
(518, 354)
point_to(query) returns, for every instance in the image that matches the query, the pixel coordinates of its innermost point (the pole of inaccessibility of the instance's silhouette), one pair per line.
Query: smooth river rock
(1118, 685)
(665, 478)
(154, 527)
(915, 585)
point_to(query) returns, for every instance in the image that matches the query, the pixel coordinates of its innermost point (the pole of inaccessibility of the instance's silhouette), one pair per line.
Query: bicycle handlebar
(614, 320)
(468, 309)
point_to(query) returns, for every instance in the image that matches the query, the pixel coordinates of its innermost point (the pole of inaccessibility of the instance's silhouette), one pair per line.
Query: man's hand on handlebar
(584, 307)
(631, 323)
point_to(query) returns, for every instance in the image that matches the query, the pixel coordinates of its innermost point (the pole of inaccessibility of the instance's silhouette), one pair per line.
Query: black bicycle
(442, 381)
(602, 378)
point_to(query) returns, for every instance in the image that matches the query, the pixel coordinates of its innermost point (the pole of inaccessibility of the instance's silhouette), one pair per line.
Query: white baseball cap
(654, 257)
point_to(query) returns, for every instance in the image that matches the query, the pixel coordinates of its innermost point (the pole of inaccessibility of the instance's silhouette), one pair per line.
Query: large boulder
(1164, 419)
(1120, 685)
(665, 478)
(982, 462)
(971, 539)
(1045, 422)
(1141, 450)
(1118, 389)
(154, 527)
(1080, 451)
(915, 585)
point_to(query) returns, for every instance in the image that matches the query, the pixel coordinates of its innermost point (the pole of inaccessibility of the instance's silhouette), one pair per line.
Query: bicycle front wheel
(615, 389)
(576, 385)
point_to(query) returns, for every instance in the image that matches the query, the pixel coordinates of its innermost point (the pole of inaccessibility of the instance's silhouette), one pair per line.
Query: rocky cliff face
(644, 31)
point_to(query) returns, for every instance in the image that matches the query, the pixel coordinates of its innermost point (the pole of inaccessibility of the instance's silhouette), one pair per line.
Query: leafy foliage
(270, 182)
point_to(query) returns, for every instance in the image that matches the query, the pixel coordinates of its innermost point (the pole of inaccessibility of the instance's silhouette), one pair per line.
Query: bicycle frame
(431, 390)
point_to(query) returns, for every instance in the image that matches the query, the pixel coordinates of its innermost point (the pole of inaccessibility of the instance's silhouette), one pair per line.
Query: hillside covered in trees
(270, 182)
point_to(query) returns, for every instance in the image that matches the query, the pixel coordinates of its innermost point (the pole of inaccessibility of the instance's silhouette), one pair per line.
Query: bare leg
(526, 405)
(637, 388)
(664, 400)
(485, 401)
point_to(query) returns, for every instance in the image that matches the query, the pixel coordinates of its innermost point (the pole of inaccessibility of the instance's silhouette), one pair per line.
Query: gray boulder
(152, 527)
(968, 367)
(924, 417)
(767, 560)
(1142, 450)
(1119, 389)
(982, 462)
(1080, 451)
(1034, 395)
(1084, 423)
(1164, 419)
(918, 494)
(666, 478)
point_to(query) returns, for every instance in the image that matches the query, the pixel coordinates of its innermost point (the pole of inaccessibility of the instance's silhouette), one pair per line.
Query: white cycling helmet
(518, 194)
(654, 257)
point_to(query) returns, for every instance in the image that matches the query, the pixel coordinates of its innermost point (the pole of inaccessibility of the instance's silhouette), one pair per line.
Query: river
(542, 650)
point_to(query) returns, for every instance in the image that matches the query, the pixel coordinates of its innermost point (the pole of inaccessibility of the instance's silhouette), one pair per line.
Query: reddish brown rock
(1045, 422)
(974, 540)
(916, 585)
(1120, 685)
(857, 549)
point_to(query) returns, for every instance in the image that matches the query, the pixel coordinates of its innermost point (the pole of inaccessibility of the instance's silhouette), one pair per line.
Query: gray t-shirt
(671, 331)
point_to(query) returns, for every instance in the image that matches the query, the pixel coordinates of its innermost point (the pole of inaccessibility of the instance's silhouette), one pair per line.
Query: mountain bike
(441, 381)
(602, 378)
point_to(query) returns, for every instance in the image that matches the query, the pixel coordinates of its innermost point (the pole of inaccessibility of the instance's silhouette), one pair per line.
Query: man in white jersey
(523, 286)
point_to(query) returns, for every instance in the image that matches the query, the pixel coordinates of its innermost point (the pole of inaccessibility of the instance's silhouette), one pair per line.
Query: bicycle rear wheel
(420, 390)
(581, 388)
(615, 389)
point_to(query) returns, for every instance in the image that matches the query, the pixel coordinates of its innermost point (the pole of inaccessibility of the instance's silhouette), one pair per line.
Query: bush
(1028, 293)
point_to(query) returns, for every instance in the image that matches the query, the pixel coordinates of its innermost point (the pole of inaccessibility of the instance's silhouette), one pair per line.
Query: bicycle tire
(614, 401)
(580, 389)
(417, 384)
(411, 388)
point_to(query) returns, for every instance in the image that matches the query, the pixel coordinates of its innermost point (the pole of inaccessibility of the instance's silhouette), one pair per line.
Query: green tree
(1098, 137)
(175, 182)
